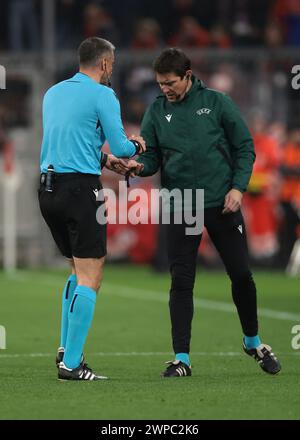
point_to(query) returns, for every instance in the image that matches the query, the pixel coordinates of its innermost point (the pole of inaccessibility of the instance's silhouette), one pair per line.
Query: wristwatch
(103, 160)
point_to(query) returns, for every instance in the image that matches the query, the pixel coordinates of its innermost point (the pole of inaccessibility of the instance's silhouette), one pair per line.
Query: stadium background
(246, 48)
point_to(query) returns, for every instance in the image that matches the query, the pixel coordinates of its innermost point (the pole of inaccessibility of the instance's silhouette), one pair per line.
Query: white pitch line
(137, 354)
(148, 295)
(152, 295)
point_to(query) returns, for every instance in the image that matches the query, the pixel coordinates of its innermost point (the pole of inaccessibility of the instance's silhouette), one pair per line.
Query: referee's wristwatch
(138, 146)
(103, 160)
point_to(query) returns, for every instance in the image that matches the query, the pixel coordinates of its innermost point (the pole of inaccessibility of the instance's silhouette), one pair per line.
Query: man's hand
(140, 140)
(116, 164)
(130, 168)
(134, 168)
(233, 201)
(124, 167)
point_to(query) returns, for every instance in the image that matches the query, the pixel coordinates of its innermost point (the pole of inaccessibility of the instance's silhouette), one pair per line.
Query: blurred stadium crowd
(148, 24)
(260, 85)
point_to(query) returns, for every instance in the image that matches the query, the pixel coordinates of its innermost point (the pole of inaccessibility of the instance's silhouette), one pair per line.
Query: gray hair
(92, 50)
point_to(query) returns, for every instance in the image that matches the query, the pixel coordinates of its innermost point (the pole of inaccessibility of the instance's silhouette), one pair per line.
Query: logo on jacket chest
(203, 111)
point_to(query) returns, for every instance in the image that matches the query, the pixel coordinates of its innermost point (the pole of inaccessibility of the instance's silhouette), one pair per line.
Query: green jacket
(199, 142)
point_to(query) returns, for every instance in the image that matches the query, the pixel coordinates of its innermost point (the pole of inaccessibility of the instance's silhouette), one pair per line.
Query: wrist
(104, 159)
(138, 146)
(238, 189)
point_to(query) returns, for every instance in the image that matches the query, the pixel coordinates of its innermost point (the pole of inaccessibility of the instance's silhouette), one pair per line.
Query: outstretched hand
(134, 168)
(116, 164)
(124, 167)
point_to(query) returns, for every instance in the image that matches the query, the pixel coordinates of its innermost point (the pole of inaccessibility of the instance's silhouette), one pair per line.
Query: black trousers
(288, 235)
(227, 233)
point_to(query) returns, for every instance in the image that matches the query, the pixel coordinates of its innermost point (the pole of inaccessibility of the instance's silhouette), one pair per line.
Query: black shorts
(70, 212)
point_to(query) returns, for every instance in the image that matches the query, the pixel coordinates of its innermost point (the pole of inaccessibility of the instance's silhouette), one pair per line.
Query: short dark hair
(172, 60)
(92, 49)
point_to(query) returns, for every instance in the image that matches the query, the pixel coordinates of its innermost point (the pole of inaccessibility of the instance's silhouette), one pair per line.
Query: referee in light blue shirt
(79, 114)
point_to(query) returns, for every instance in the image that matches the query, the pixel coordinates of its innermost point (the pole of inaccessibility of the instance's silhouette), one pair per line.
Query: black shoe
(177, 369)
(83, 372)
(60, 356)
(265, 357)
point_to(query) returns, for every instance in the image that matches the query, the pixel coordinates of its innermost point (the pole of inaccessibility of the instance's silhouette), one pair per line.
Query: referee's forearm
(124, 149)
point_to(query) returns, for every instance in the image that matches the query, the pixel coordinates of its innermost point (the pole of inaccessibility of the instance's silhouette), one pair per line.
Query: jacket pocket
(231, 220)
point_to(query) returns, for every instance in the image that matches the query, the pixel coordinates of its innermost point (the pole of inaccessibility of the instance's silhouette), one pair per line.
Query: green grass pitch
(130, 341)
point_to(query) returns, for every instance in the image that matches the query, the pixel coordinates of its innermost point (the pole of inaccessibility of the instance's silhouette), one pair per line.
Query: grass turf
(130, 341)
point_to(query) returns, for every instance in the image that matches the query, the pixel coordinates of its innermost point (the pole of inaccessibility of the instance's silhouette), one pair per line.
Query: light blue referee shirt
(78, 116)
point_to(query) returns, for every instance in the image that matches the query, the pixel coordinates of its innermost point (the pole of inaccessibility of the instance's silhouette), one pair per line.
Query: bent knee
(242, 279)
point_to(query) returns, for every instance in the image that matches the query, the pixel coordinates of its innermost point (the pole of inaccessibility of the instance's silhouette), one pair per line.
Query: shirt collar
(82, 77)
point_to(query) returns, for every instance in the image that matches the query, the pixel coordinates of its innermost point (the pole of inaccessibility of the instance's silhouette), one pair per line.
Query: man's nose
(165, 89)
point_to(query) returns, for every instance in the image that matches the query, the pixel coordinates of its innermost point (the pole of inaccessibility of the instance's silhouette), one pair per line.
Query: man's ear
(188, 75)
(103, 65)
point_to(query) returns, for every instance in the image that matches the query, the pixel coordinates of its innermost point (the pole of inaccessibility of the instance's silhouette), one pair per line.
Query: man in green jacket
(197, 138)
